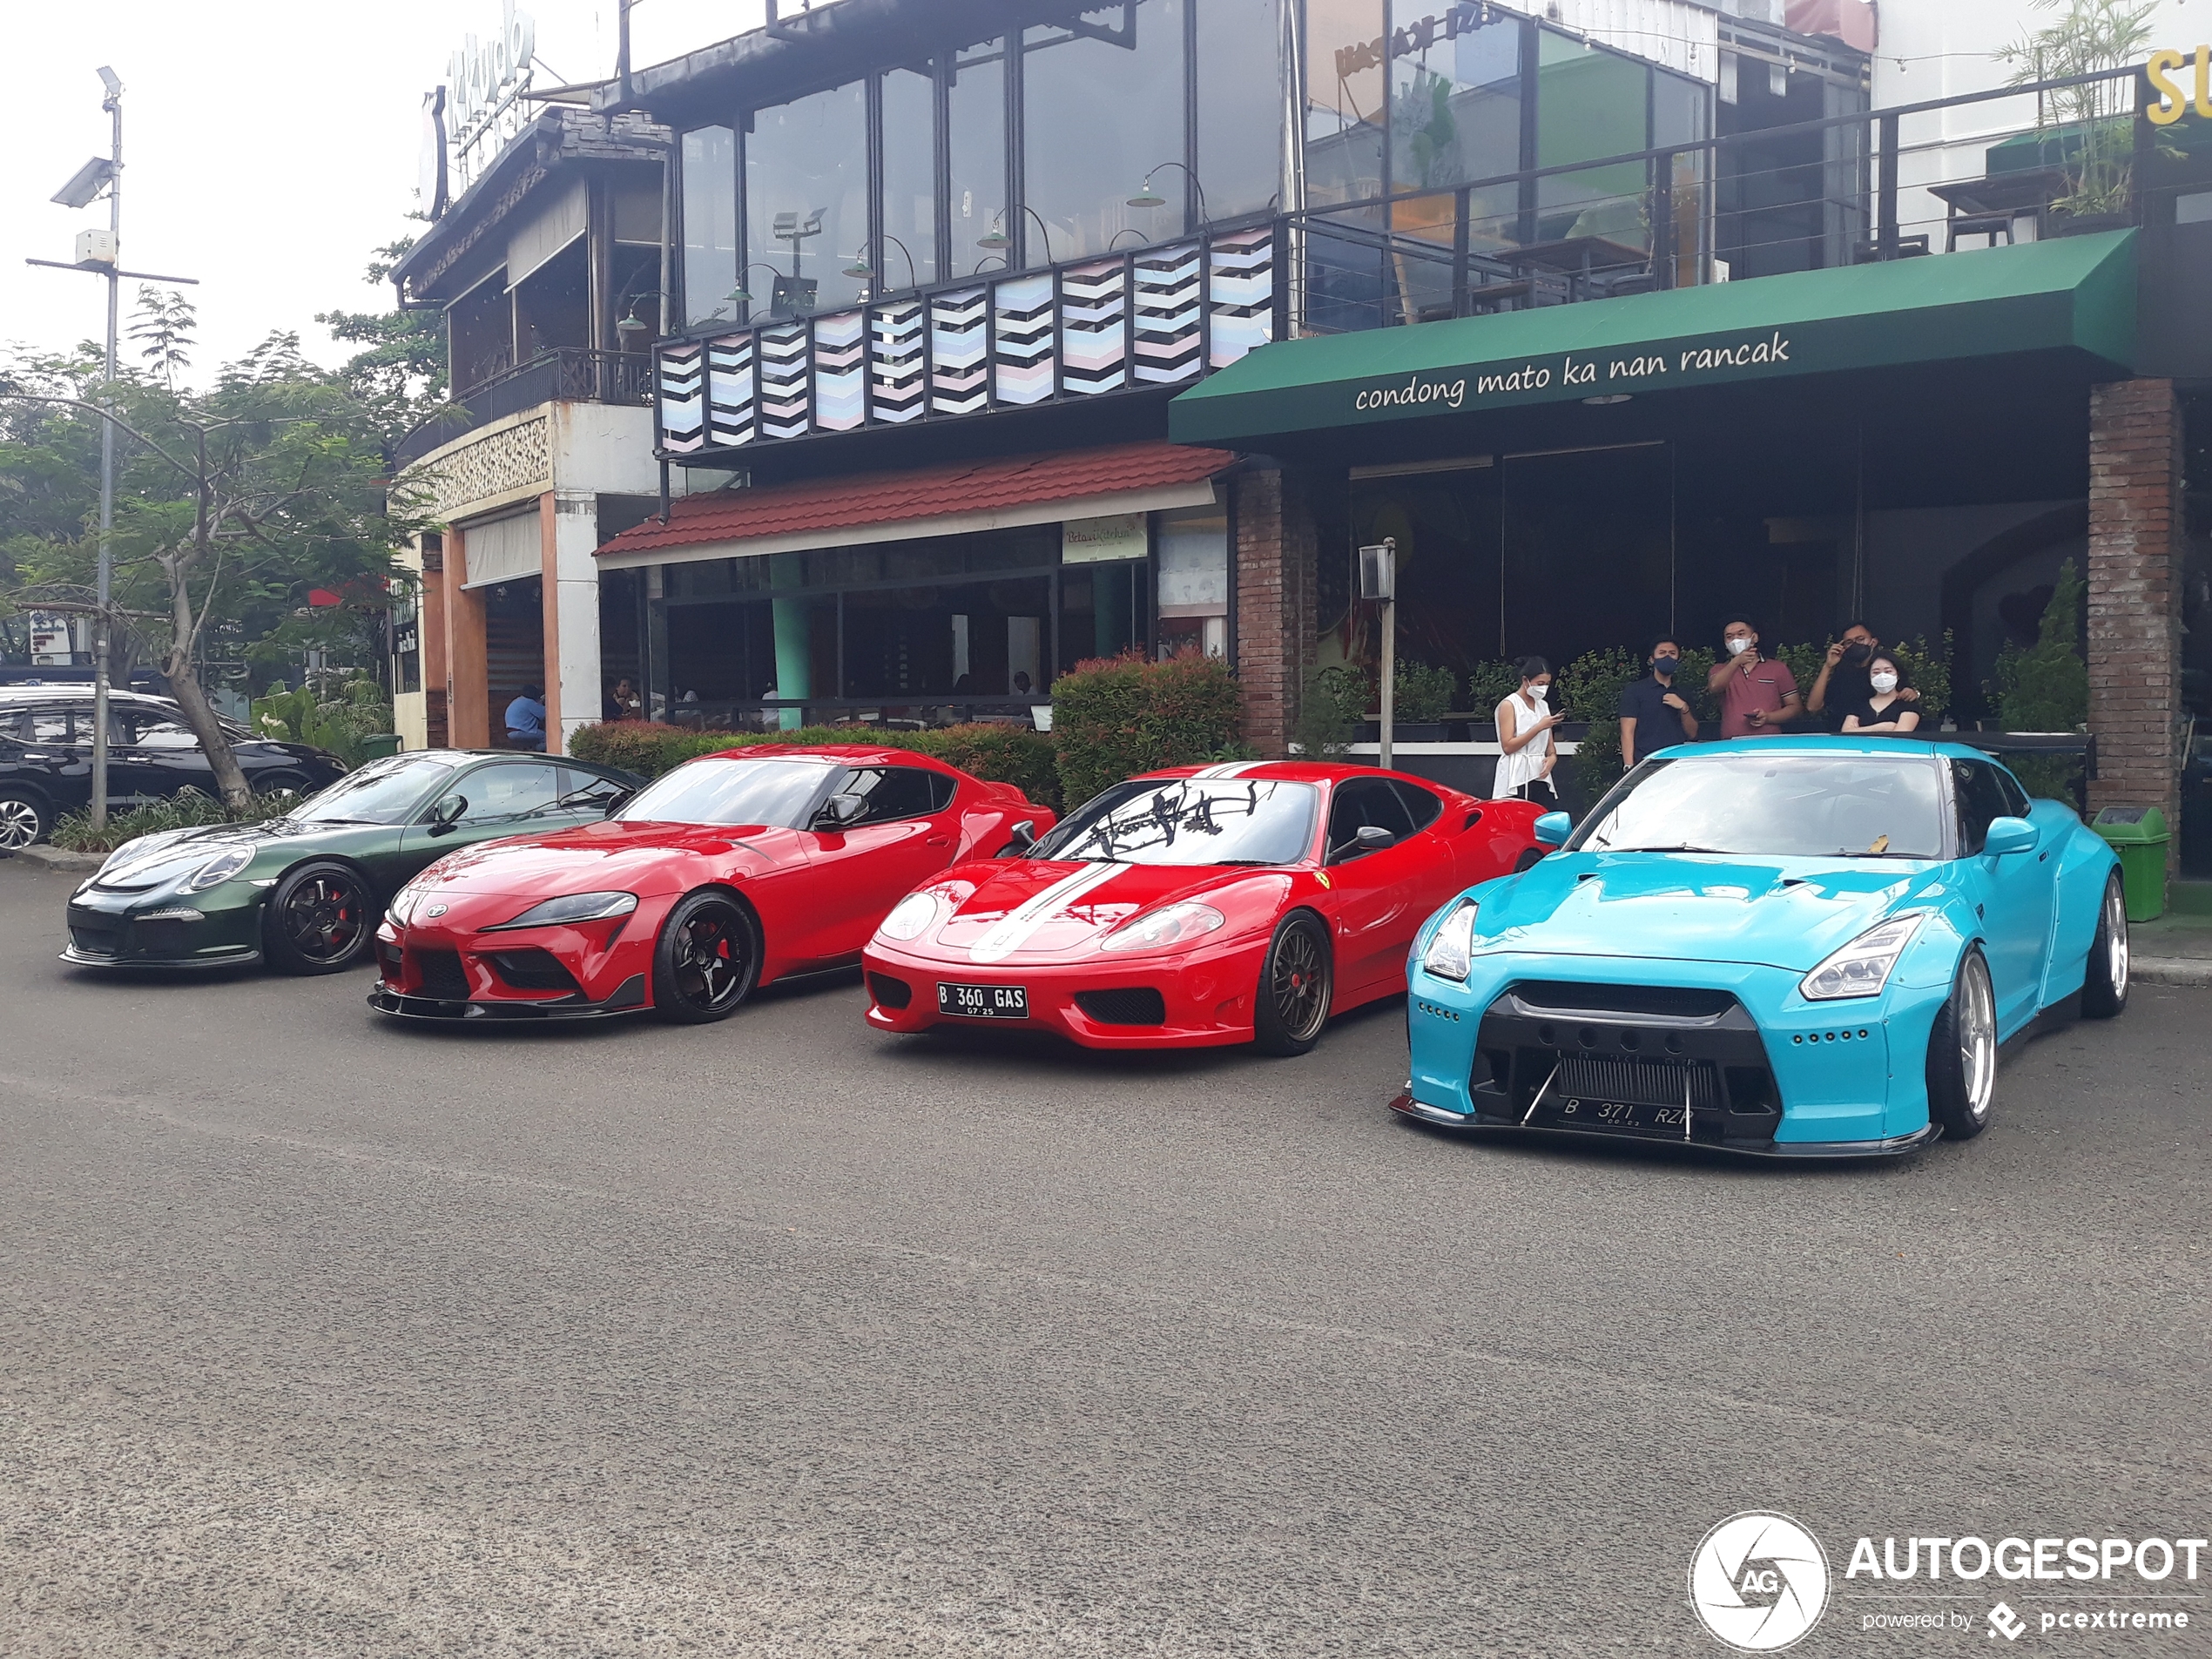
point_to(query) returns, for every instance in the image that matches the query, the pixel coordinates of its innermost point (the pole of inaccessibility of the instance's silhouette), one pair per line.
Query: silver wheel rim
(2115, 940)
(18, 823)
(1977, 1037)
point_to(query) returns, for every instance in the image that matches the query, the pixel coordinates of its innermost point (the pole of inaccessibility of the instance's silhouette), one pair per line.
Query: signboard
(484, 83)
(1097, 541)
(52, 646)
(2173, 102)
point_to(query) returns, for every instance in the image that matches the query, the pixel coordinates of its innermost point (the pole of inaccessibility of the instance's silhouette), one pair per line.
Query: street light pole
(113, 104)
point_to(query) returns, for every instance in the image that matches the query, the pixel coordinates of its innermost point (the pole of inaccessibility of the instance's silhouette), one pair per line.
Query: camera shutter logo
(1759, 1581)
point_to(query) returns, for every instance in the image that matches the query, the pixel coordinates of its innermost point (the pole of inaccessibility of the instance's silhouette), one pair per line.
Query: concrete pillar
(468, 712)
(571, 584)
(1275, 599)
(436, 728)
(2136, 530)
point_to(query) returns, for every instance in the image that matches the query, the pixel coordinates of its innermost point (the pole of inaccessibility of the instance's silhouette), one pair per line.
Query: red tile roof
(817, 504)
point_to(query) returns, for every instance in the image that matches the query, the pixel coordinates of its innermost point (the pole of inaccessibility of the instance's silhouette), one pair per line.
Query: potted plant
(1424, 698)
(2086, 132)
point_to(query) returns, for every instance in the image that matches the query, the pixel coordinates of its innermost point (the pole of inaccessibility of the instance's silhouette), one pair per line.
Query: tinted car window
(383, 791)
(1424, 807)
(1981, 801)
(1365, 803)
(509, 789)
(1785, 806)
(2016, 800)
(777, 794)
(889, 792)
(1189, 821)
(16, 724)
(582, 789)
(52, 726)
(157, 733)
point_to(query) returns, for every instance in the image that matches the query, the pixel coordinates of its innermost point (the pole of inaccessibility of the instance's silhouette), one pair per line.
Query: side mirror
(2008, 836)
(839, 811)
(446, 814)
(1373, 838)
(1020, 839)
(1554, 828)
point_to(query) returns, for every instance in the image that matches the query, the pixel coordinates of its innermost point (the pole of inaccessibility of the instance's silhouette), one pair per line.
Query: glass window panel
(1446, 527)
(1590, 103)
(975, 145)
(1101, 111)
(969, 639)
(710, 223)
(1194, 560)
(909, 216)
(1240, 107)
(1682, 113)
(1456, 117)
(1343, 99)
(1589, 552)
(807, 176)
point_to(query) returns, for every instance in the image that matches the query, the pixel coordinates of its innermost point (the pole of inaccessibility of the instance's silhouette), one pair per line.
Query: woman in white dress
(1525, 737)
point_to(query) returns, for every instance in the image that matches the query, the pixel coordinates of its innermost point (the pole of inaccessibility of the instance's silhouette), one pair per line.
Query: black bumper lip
(242, 953)
(1892, 1146)
(629, 998)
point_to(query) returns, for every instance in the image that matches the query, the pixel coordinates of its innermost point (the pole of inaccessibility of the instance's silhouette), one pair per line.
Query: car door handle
(938, 840)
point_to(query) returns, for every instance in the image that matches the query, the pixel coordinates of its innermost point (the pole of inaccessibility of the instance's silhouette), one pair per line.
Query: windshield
(773, 792)
(1191, 820)
(381, 792)
(1800, 806)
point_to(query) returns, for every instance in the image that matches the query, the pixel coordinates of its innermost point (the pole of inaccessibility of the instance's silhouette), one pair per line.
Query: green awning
(2075, 296)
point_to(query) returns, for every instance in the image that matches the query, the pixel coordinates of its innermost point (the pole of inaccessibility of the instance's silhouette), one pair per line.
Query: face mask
(1885, 682)
(1737, 647)
(1540, 692)
(1855, 655)
(1665, 666)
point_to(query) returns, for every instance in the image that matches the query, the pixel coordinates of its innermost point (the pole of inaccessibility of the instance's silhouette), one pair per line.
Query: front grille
(389, 959)
(532, 969)
(1645, 1081)
(1137, 1005)
(96, 941)
(438, 974)
(889, 993)
(163, 937)
(1667, 1001)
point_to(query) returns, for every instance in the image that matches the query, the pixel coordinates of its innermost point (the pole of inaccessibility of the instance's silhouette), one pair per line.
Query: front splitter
(1894, 1146)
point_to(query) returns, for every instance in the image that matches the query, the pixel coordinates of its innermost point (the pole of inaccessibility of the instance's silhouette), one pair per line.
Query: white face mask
(1540, 692)
(1883, 682)
(1737, 647)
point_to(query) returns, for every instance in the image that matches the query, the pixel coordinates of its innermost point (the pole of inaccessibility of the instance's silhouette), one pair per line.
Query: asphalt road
(782, 1338)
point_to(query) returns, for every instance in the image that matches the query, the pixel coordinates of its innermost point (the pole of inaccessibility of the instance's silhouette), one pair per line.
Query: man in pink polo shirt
(1758, 698)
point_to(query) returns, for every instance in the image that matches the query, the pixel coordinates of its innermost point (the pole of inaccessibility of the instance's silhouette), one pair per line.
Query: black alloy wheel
(1529, 859)
(1296, 983)
(319, 918)
(2104, 991)
(707, 959)
(24, 818)
(1962, 1053)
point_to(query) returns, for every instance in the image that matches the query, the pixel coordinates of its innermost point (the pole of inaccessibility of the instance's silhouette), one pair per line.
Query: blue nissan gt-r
(1798, 947)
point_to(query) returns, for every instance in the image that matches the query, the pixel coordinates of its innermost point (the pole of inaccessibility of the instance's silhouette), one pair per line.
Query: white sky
(267, 147)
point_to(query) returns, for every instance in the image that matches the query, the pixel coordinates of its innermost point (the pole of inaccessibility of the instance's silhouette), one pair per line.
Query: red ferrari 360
(731, 871)
(1236, 903)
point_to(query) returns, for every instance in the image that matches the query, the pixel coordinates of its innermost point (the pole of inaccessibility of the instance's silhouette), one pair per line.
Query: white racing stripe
(1013, 930)
(1227, 769)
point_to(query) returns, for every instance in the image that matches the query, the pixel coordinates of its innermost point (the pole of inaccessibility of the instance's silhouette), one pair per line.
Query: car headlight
(219, 869)
(910, 916)
(1451, 951)
(570, 908)
(1176, 924)
(1862, 968)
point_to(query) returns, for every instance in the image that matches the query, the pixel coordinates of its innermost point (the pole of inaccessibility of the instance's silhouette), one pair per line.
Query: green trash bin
(377, 744)
(2138, 835)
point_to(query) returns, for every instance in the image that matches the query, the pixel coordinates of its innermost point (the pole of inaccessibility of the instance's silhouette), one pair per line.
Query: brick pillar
(2135, 546)
(1275, 577)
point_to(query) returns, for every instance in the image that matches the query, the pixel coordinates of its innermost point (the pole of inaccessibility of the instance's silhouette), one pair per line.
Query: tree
(166, 324)
(401, 376)
(2094, 144)
(232, 505)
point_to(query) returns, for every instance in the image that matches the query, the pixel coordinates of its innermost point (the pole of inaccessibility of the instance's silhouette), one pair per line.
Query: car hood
(1780, 913)
(1026, 909)
(608, 858)
(149, 861)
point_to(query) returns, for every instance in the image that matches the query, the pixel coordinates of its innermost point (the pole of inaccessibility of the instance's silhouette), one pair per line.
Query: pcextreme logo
(1759, 1581)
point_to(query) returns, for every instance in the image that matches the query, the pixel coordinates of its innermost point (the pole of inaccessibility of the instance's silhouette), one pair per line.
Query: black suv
(46, 757)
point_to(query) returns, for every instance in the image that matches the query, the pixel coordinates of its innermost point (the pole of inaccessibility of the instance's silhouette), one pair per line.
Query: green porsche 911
(305, 891)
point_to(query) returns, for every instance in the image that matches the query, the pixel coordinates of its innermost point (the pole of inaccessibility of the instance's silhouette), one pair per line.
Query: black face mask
(1665, 666)
(1855, 655)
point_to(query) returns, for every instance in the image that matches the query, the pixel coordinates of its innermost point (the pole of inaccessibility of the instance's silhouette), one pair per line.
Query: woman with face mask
(1527, 753)
(1885, 711)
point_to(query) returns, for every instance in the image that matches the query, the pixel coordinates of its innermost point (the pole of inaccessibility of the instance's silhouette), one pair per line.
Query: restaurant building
(1005, 335)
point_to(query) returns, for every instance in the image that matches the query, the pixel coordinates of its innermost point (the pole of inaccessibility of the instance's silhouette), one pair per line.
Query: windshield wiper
(1679, 846)
(1247, 864)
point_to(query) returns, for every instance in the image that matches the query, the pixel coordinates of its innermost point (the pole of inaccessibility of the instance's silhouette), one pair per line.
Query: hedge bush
(1006, 754)
(187, 809)
(1114, 717)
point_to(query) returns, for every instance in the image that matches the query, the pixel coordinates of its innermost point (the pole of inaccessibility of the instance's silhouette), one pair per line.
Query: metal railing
(565, 375)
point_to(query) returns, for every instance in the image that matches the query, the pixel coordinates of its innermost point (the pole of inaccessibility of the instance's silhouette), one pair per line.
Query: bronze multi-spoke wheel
(319, 918)
(707, 959)
(1962, 1053)
(1296, 982)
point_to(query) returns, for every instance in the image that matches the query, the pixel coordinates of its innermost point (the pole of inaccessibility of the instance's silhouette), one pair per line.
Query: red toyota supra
(729, 872)
(1238, 903)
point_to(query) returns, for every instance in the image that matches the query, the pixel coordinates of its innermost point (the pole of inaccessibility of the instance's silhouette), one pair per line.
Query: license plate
(984, 1001)
(1575, 1112)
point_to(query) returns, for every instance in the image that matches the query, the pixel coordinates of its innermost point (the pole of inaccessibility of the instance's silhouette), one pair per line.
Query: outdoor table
(1576, 258)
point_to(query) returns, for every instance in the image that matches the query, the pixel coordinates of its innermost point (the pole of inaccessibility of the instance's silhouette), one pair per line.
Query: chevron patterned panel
(682, 374)
(959, 361)
(731, 404)
(1168, 302)
(894, 361)
(1241, 289)
(840, 371)
(1022, 358)
(1094, 306)
(782, 380)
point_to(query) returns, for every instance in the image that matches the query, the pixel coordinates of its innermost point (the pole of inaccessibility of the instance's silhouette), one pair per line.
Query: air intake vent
(889, 993)
(1139, 1006)
(1568, 996)
(532, 969)
(439, 976)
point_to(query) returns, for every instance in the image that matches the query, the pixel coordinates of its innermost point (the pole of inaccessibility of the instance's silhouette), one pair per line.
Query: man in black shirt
(1843, 683)
(1651, 708)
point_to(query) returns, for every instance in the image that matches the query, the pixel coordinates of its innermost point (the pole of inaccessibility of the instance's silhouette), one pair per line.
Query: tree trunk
(184, 686)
